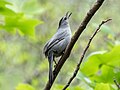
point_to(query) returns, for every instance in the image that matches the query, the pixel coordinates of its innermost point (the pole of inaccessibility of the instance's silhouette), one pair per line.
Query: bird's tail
(50, 60)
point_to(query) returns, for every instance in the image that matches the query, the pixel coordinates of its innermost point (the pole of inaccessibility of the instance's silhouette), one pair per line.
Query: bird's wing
(51, 43)
(54, 40)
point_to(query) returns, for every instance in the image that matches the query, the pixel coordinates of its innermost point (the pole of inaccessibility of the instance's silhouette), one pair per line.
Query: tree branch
(117, 84)
(83, 54)
(75, 37)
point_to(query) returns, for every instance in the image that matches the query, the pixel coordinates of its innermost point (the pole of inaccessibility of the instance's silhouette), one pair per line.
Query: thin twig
(83, 54)
(117, 84)
(75, 37)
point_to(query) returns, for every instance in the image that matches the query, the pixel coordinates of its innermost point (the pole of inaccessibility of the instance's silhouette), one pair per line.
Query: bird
(56, 46)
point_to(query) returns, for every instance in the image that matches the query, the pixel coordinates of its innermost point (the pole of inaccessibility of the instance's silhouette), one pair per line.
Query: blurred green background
(26, 25)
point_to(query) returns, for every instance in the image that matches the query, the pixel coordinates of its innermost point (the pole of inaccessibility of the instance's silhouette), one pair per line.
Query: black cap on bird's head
(64, 19)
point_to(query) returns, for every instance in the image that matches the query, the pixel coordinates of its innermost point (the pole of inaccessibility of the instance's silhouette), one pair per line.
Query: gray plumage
(58, 43)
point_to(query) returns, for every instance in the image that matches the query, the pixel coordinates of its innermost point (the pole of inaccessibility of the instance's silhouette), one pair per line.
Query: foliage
(102, 86)
(16, 21)
(22, 59)
(24, 87)
(102, 67)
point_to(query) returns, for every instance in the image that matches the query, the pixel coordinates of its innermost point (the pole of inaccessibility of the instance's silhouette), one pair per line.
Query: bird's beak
(68, 14)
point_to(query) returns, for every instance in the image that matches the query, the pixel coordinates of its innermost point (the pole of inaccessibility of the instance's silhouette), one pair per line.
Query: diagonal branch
(117, 84)
(75, 37)
(83, 54)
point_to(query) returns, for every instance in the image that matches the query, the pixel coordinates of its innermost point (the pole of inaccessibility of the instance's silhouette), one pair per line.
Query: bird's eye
(65, 18)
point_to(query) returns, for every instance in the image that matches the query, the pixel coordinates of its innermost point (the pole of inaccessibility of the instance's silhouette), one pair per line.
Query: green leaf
(60, 87)
(85, 79)
(117, 76)
(24, 87)
(105, 74)
(19, 22)
(102, 86)
(102, 67)
(113, 57)
(75, 88)
(91, 66)
(4, 10)
(3, 3)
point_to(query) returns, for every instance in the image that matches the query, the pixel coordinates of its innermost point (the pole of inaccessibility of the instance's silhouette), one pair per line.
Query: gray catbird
(56, 46)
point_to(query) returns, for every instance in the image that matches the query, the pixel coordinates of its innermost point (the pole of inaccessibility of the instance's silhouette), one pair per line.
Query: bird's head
(64, 20)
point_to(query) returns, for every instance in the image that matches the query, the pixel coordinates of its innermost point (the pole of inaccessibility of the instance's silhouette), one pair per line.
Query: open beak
(68, 14)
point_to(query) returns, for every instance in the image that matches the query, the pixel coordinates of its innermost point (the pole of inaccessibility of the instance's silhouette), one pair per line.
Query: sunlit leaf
(19, 22)
(117, 76)
(85, 79)
(91, 66)
(24, 87)
(3, 3)
(75, 88)
(101, 66)
(102, 86)
(105, 75)
(60, 87)
(4, 10)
